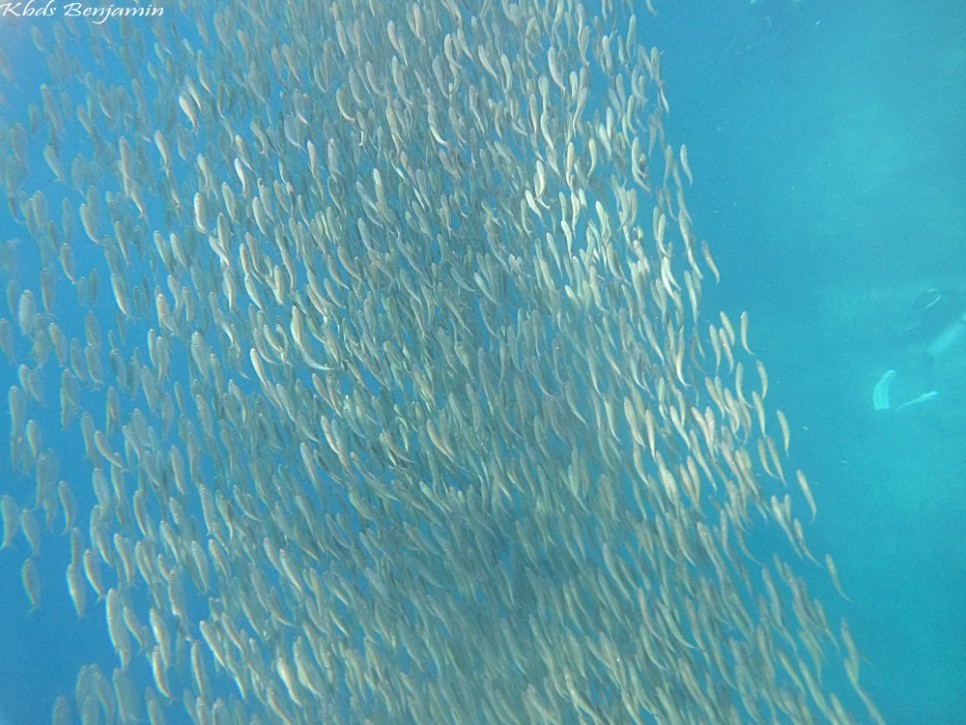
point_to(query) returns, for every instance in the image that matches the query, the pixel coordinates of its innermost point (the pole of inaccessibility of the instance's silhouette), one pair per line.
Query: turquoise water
(827, 145)
(828, 153)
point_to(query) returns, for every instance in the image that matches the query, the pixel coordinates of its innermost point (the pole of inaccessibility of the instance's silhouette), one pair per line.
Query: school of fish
(380, 327)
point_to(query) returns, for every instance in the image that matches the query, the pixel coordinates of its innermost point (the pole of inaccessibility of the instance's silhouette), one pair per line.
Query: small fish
(10, 516)
(834, 574)
(31, 582)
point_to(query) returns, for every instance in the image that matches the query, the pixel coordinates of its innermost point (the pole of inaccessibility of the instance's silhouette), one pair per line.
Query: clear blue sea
(828, 150)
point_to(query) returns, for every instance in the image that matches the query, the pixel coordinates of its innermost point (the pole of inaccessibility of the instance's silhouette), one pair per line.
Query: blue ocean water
(828, 147)
(829, 181)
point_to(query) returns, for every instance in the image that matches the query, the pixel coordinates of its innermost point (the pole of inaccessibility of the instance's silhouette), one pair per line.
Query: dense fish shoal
(377, 333)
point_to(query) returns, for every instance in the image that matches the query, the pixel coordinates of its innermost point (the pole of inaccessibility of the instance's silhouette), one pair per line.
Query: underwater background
(829, 157)
(833, 187)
